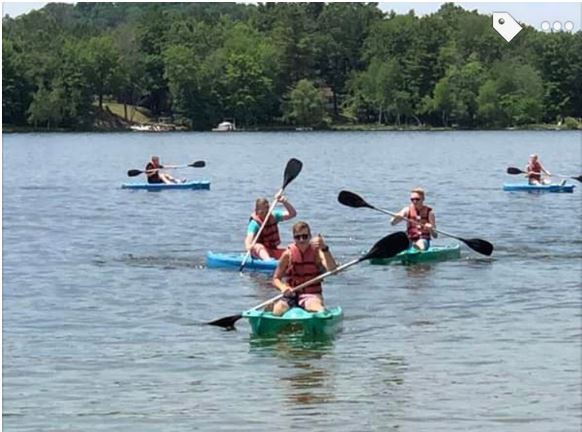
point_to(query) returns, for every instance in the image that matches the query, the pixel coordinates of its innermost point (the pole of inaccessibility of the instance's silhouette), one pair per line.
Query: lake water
(105, 291)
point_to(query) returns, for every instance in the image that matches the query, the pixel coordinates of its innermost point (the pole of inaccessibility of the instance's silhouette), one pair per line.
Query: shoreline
(333, 128)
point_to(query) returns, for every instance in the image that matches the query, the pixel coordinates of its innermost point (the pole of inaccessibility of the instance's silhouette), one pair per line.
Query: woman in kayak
(155, 175)
(304, 259)
(267, 244)
(534, 170)
(421, 220)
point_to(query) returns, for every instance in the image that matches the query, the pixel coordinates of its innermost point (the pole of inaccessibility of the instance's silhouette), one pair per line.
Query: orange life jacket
(415, 229)
(270, 235)
(302, 268)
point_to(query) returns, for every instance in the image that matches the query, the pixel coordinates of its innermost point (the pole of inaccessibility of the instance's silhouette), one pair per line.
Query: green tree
(306, 105)
(512, 95)
(102, 59)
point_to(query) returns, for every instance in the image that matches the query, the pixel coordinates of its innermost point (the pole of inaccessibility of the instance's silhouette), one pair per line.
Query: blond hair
(419, 191)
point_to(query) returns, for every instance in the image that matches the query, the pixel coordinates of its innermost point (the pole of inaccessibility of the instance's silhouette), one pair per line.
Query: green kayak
(414, 256)
(325, 323)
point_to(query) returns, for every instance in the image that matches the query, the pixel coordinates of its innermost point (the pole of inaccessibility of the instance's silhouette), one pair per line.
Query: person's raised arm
(291, 212)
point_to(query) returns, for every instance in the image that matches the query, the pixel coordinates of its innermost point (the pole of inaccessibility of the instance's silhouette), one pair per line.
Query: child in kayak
(304, 259)
(420, 218)
(267, 244)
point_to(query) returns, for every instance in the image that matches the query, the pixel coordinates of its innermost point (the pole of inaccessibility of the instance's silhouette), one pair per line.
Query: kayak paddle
(197, 164)
(292, 170)
(387, 247)
(514, 170)
(351, 199)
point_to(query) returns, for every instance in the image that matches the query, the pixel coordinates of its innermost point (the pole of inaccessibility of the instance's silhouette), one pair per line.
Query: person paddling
(304, 259)
(421, 220)
(154, 175)
(267, 245)
(534, 170)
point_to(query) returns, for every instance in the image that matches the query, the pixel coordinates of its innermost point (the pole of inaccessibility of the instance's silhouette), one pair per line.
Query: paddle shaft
(310, 282)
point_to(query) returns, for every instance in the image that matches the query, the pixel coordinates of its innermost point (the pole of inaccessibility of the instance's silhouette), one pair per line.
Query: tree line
(273, 64)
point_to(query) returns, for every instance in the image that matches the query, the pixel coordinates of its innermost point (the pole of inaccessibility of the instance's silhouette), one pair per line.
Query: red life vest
(302, 268)
(415, 229)
(155, 176)
(536, 168)
(270, 235)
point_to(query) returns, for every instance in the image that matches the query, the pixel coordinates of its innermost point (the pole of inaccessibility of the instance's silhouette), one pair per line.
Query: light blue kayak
(525, 187)
(296, 320)
(234, 261)
(193, 185)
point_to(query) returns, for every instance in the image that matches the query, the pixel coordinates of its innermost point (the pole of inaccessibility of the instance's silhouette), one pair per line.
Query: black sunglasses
(301, 237)
(414, 199)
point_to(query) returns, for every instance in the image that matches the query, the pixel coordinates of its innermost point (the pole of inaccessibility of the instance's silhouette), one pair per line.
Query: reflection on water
(304, 382)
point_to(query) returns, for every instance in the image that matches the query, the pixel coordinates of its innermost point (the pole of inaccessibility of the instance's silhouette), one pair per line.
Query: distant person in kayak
(534, 170)
(267, 245)
(304, 259)
(154, 174)
(420, 218)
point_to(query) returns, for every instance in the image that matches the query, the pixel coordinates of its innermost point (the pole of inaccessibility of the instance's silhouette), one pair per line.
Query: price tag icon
(505, 25)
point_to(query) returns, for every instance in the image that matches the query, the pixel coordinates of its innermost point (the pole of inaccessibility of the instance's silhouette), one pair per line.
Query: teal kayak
(234, 261)
(414, 256)
(319, 324)
(198, 184)
(525, 187)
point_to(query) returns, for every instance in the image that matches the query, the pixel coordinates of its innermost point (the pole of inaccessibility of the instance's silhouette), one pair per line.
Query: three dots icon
(557, 26)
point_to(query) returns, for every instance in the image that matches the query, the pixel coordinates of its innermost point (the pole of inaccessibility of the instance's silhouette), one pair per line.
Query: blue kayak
(296, 320)
(198, 184)
(525, 187)
(234, 261)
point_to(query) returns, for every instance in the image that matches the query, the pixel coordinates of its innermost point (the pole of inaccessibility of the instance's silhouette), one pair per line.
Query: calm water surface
(105, 290)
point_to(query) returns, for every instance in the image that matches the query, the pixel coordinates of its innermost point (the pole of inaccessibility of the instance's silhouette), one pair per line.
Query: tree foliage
(269, 63)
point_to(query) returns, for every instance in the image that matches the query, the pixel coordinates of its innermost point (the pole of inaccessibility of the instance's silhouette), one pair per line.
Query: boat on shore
(225, 126)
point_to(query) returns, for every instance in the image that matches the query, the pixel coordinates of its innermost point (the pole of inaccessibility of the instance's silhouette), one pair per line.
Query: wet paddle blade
(478, 245)
(134, 172)
(351, 199)
(198, 164)
(513, 170)
(292, 170)
(388, 246)
(579, 178)
(226, 322)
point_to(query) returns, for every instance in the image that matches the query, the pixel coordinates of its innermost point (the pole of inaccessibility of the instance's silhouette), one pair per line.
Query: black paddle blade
(388, 246)
(292, 170)
(579, 178)
(134, 172)
(351, 199)
(226, 322)
(513, 170)
(478, 245)
(198, 164)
